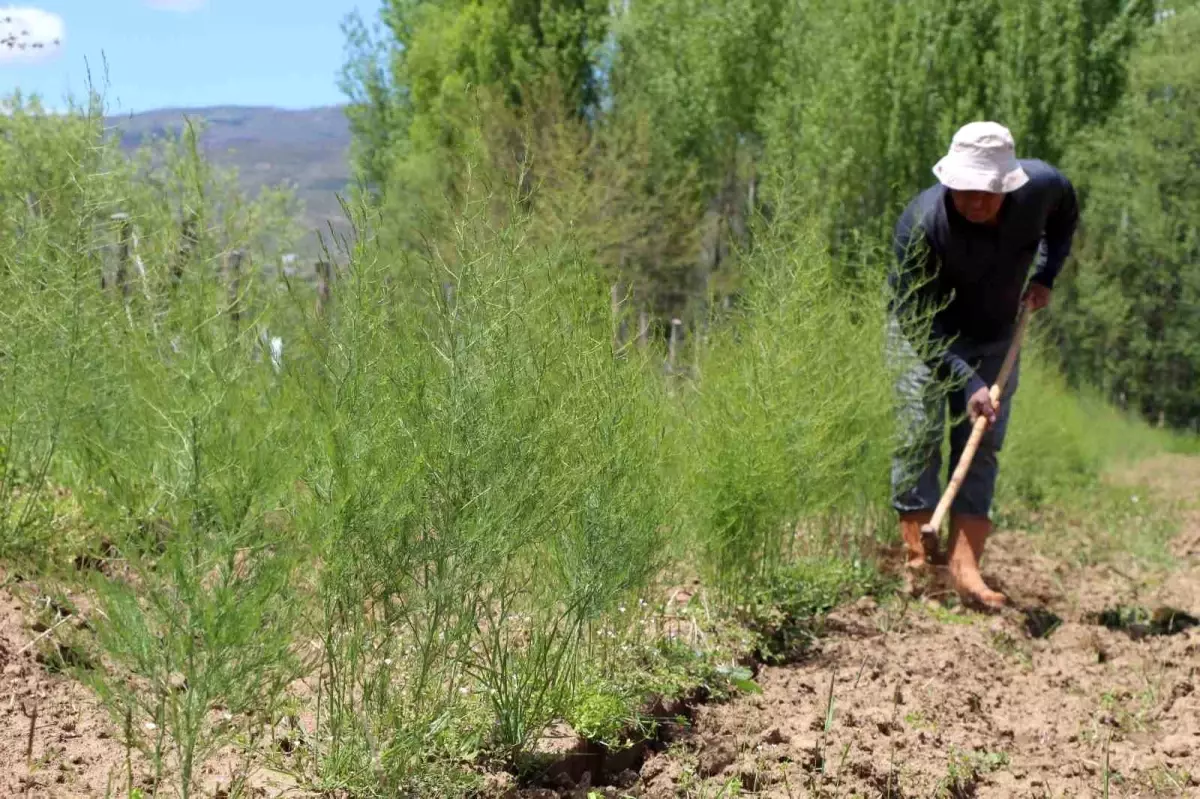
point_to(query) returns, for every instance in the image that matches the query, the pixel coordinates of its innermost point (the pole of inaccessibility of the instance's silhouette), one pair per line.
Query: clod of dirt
(773, 737)
(1177, 746)
(887, 783)
(603, 792)
(888, 726)
(500, 785)
(565, 784)
(715, 758)
(659, 776)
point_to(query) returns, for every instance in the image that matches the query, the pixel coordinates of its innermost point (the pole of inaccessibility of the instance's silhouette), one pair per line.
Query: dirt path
(899, 700)
(926, 702)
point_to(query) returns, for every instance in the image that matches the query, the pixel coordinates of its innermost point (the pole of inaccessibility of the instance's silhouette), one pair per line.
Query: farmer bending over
(964, 248)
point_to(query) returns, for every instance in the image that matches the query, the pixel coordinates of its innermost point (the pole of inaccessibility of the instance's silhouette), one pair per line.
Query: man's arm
(1061, 222)
(914, 303)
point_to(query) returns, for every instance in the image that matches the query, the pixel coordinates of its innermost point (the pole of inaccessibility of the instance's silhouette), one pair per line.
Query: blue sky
(172, 53)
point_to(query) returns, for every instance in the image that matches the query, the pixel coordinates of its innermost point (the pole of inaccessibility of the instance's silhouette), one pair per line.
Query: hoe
(930, 531)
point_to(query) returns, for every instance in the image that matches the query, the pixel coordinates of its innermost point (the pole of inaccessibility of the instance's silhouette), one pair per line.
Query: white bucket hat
(982, 157)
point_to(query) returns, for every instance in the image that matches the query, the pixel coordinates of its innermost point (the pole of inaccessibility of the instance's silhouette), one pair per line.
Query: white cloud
(29, 34)
(177, 5)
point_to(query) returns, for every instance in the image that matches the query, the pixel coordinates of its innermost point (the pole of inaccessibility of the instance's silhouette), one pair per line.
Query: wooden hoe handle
(981, 424)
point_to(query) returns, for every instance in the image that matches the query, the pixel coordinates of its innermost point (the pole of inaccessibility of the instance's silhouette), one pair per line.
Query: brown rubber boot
(968, 534)
(917, 548)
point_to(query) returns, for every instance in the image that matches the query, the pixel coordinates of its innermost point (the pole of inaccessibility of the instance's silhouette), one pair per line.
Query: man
(965, 248)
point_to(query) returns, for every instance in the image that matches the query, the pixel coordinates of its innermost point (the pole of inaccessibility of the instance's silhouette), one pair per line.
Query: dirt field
(916, 701)
(906, 699)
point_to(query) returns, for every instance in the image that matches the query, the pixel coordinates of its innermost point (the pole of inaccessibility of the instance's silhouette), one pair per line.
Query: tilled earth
(1052, 698)
(912, 700)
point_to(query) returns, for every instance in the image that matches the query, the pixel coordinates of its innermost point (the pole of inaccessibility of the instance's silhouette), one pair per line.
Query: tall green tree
(830, 112)
(869, 92)
(700, 73)
(412, 85)
(1129, 315)
(457, 102)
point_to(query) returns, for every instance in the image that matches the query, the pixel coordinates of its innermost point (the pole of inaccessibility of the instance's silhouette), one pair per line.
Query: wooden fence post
(324, 275)
(620, 316)
(643, 336)
(673, 345)
(234, 276)
(189, 242)
(124, 236)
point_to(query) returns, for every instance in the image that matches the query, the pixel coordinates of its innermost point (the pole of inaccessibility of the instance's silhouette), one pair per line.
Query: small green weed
(965, 769)
(784, 611)
(917, 720)
(599, 713)
(1116, 711)
(1161, 780)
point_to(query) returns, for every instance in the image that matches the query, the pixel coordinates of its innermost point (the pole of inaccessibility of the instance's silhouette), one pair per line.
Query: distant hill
(308, 149)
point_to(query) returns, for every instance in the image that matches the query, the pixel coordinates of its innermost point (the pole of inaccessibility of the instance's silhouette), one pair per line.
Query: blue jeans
(923, 402)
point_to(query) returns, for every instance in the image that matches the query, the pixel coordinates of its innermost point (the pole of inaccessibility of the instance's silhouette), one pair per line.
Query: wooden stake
(189, 242)
(620, 320)
(124, 235)
(234, 268)
(643, 328)
(324, 275)
(673, 345)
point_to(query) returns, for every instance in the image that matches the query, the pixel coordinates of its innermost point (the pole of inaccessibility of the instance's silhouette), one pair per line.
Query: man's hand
(980, 404)
(1037, 296)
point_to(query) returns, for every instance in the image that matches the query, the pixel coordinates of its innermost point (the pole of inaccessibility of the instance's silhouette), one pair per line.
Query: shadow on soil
(581, 763)
(1040, 622)
(1138, 622)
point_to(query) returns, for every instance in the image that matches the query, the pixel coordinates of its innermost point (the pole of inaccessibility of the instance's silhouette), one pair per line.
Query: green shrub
(486, 480)
(785, 436)
(1128, 318)
(1060, 440)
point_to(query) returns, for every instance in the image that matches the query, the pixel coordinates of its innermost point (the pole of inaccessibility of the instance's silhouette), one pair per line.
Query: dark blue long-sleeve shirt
(976, 274)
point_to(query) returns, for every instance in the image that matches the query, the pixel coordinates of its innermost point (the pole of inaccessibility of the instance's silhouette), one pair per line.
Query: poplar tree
(1128, 310)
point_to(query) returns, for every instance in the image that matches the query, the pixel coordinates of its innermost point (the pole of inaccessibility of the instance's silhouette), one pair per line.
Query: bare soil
(912, 699)
(900, 699)
(54, 741)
